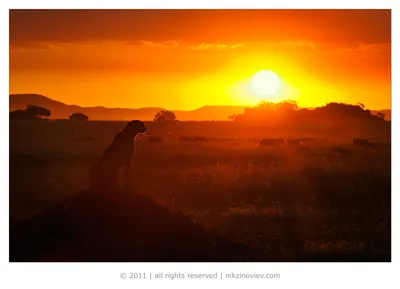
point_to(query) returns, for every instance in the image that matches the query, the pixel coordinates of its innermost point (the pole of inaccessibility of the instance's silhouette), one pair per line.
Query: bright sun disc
(266, 83)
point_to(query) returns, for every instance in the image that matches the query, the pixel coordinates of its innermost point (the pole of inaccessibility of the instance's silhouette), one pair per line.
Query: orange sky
(184, 59)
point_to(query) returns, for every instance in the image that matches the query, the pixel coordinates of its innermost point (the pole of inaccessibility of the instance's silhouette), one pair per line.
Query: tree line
(288, 112)
(283, 112)
(35, 112)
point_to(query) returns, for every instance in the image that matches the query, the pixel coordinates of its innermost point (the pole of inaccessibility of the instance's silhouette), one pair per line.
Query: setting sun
(266, 83)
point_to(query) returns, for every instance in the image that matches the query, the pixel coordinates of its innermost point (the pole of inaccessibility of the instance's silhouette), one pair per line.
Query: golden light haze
(190, 58)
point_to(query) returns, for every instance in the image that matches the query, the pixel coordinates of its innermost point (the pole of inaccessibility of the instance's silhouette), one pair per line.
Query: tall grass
(290, 203)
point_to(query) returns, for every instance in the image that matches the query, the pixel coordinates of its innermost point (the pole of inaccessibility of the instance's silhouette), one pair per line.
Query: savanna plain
(325, 200)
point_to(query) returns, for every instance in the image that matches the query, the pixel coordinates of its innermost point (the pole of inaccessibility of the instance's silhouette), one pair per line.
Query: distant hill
(61, 110)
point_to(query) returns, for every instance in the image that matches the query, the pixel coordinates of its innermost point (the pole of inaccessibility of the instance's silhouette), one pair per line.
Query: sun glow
(266, 83)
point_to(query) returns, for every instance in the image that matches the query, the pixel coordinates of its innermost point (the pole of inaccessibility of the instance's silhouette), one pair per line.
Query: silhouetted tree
(344, 110)
(287, 112)
(286, 106)
(37, 111)
(361, 105)
(165, 116)
(232, 117)
(79, 116)
(380, 115)
(265, 106)
(21, 115)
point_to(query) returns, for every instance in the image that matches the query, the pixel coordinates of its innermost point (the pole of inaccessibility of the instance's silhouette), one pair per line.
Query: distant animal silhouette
(200, 139)
(270, 142)
(104, 173)
(185, 139)
(362, 142)
(155, 139)
(290, 141)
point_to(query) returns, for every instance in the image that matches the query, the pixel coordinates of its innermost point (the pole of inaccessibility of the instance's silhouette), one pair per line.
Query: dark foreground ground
(117, 226)
(324, 201)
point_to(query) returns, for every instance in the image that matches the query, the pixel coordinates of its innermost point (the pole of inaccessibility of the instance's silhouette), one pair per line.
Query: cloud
(29, 46)
(171, 43)
(298, 43)
(359, 48)
(198, 26)
(367, 49)
(205, 46)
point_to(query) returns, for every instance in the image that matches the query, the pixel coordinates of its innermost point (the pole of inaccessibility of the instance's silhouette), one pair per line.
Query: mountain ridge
(60, 110)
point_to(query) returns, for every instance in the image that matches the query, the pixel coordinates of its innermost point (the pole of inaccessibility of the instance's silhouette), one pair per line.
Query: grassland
(324, 201)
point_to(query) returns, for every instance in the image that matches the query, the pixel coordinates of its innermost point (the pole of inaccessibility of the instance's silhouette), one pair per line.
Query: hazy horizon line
(205, 105)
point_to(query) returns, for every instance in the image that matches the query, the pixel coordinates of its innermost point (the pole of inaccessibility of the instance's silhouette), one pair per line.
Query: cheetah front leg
(127, 172)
